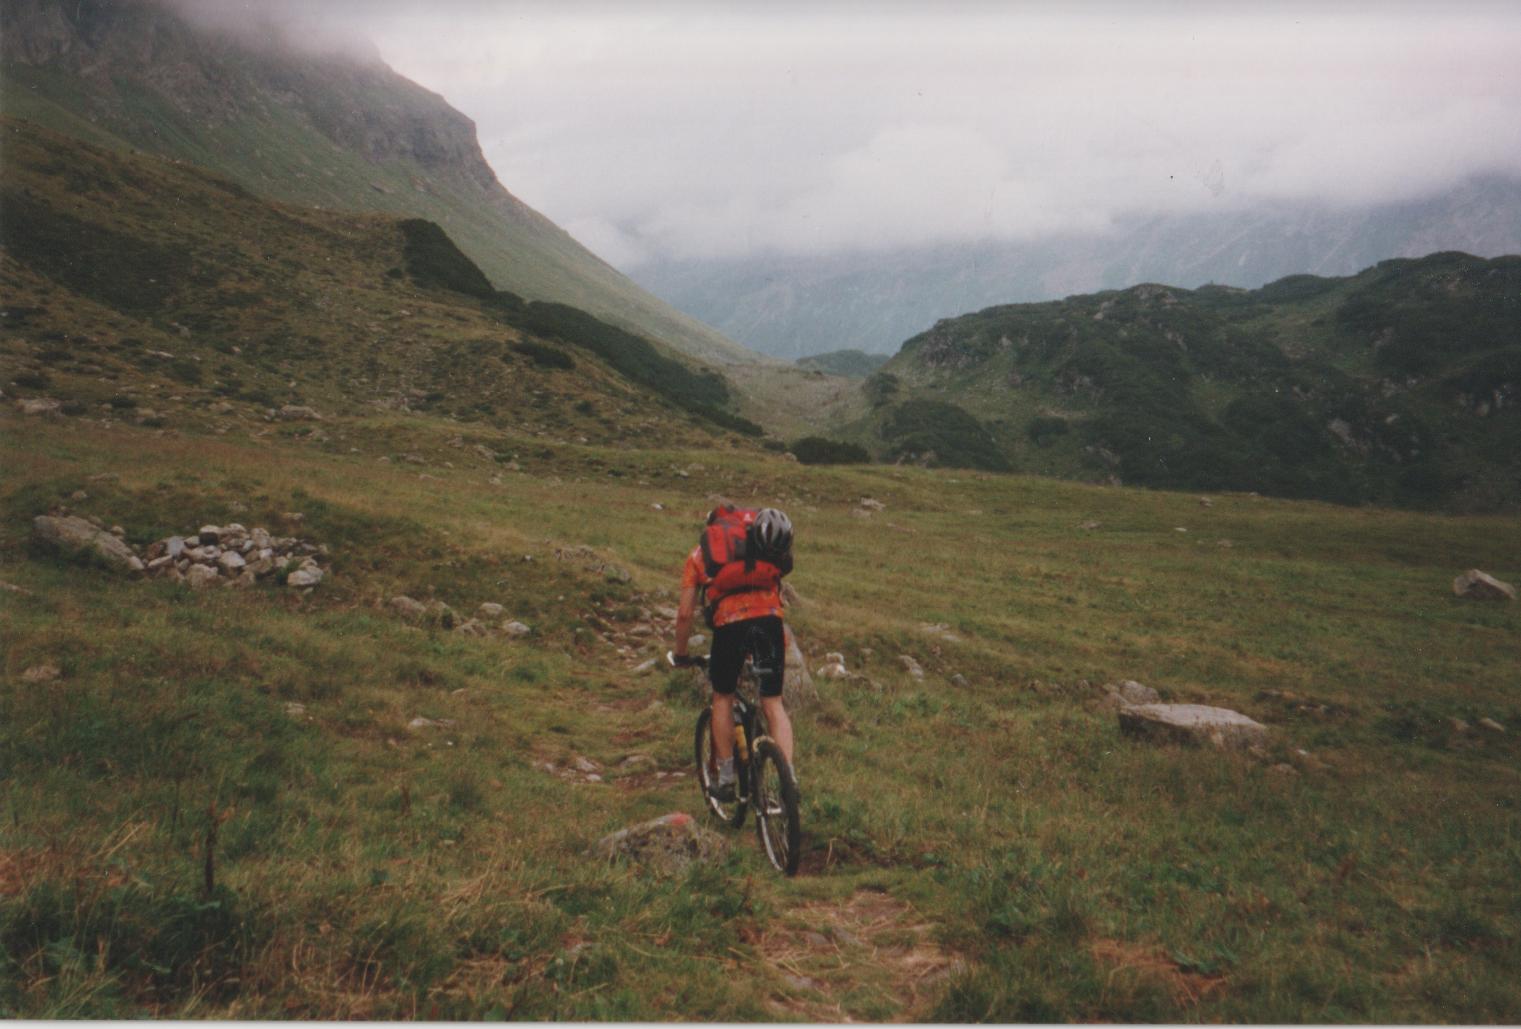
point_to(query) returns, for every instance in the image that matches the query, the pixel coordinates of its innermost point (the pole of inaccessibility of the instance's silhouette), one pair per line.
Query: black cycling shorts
(759, 638)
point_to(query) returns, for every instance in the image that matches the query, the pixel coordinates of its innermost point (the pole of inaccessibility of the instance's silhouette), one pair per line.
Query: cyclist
(746, 621)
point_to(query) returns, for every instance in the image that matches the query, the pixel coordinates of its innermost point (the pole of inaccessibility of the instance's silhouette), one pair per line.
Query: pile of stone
(227, 555)
(230, 555)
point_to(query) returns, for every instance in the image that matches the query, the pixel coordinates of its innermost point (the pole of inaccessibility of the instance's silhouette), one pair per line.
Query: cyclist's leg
(768, 647)
(725, 659)
(780, 724)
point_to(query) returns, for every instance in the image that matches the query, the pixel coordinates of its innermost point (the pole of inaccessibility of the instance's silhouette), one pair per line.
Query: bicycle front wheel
(777, 822)
(730, 811)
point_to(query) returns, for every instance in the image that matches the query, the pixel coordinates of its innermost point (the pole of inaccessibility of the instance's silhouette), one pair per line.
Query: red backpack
(729, 558)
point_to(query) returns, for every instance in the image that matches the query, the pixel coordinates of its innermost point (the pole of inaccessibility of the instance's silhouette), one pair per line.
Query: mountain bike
(763, 778)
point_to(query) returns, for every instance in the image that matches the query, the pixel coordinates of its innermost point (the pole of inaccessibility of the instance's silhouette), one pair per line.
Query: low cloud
(677, 130)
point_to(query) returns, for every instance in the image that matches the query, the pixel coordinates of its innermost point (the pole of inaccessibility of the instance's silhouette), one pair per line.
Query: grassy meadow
(219, 810)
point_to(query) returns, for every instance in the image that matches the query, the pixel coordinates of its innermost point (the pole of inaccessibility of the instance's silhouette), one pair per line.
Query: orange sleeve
(692, 573)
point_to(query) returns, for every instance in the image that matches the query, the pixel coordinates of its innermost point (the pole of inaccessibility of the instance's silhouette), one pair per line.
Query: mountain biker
(746, 621)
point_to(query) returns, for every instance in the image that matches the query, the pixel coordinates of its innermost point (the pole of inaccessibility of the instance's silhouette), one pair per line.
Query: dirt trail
(868, 958)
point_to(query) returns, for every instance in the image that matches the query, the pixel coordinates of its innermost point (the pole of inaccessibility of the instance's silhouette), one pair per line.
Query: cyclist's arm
(684, 612)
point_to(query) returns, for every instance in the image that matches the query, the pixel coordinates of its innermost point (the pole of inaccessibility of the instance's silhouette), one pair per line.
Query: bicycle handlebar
(686, 661)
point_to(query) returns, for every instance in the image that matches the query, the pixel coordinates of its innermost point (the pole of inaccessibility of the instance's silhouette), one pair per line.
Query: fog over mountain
(741, 159)
(915, 162)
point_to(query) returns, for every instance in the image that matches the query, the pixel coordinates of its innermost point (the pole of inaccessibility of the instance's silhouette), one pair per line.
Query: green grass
(368, 870)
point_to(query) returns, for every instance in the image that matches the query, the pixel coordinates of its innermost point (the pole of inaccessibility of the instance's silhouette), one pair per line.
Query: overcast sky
(684, 130)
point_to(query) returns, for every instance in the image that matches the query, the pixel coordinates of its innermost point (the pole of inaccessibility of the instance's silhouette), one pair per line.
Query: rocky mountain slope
(790, 306)
(1399, 385)
(331, 130)
(156, 294)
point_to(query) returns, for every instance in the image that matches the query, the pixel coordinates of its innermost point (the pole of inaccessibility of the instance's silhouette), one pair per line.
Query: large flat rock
(1192, 723)
(1476, 585)
(71, 535)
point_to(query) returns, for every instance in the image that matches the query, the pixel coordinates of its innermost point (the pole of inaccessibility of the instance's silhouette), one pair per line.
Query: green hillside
(333, 132)
(262, 804)
(1396, 386)
(854, 364)
(156, 292)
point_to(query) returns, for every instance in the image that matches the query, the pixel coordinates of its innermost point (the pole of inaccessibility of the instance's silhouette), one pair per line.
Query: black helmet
(773, 533)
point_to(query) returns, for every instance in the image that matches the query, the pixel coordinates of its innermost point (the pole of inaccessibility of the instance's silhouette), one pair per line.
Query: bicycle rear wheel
(777, 822)
(731, 812)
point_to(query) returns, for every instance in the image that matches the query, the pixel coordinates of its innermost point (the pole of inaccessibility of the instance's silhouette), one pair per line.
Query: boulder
(1476, 585)
(410, 609)
(73, 535)
(666, 845)
(1192, 723)
(1131, 692)
(303, 577)
(798, 688)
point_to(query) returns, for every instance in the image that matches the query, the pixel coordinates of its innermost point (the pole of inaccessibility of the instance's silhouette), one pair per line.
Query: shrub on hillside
(1044, 429)
(544, 355)
(434, 262)
(939, 434)
(818, 450)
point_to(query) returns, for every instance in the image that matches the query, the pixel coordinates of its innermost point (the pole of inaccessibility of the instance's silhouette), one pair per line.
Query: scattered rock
(489, 610)
(303, 577)
(41, 673)
(410, 609)
(295, 709)
(71, 534)
(471, 627)
(1284, 768)
(1131, 692)
(1490, 725)
(798, 688)
(1458, 726)
(298, 413)
(873, 505)
(1206, 502)
(667, 845)
(1192, 723)
(1476, 585)
(645, 668)
(911, 666)
(231, 561)
(958, 680)
(586, 765)
(1089, 525)
(420, 723)
(41, 406)
(515, 629)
